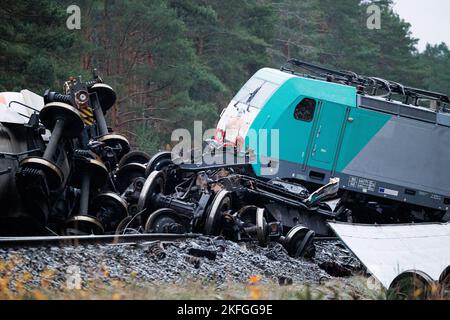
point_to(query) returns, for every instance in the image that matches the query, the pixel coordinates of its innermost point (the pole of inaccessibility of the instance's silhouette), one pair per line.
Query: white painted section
(12, 112)
(387, 251)
(237, 118)
(333, 203)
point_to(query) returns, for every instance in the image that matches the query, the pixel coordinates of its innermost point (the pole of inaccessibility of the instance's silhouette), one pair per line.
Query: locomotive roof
(407, 107)
(311, 87)
(368, 85)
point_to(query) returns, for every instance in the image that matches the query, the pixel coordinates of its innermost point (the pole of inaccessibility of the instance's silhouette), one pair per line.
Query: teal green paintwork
(330, 120)
(320, 136)
(364, 126)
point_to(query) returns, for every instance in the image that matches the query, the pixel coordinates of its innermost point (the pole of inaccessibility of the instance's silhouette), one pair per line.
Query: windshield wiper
(251, 96)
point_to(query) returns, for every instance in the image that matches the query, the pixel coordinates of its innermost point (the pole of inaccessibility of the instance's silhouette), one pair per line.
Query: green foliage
(34, 44)
(435, 63)
(176, 61)
(230, 38)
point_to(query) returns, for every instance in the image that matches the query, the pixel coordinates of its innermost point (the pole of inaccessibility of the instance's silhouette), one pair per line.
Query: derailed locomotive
(64, 172)
(85, 180)
(389, 150)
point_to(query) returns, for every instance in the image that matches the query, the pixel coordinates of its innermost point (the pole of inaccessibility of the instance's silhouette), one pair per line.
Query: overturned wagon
(227, 200)
(84, 179)
(65, 173)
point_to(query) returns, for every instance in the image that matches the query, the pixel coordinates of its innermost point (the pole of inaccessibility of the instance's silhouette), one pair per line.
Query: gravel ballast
(211, 261)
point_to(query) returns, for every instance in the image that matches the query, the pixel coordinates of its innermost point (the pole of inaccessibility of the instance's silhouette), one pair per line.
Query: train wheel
(153, 186)
(117, 142)
(106, 95)
(298, 240)
(444, 281)
(255, 222)
(158, 162)
(126, 175)
(410, 285)
(109, 209)
(165, 221)
(261, 227)
(83, 225)
(248, 215)
(134, 157)
(221, 204)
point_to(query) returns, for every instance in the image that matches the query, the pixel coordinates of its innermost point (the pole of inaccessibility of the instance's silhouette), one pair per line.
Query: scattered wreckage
(63, 172)
(412, 261)
(84, 180)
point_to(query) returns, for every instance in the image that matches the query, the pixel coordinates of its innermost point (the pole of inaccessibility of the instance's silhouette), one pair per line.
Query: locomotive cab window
(305, 110)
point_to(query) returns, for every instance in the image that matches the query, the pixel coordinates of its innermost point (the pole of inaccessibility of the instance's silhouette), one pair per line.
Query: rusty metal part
(117, 142)
(81, 98)
(154, 185)
(156, 249)
(221, 204)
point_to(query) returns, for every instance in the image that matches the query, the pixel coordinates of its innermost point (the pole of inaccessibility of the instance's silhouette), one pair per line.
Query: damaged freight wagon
(336, 137)
(65, 173)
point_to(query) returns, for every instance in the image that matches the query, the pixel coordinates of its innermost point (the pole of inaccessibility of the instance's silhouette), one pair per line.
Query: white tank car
(16, 108)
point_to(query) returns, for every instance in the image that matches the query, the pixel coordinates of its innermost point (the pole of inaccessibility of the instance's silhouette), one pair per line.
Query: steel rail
(67, 241)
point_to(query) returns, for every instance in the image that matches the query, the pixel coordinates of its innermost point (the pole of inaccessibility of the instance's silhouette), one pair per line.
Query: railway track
(39, 241)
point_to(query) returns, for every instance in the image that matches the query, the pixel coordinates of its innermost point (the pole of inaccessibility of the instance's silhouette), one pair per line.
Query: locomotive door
(331, 119)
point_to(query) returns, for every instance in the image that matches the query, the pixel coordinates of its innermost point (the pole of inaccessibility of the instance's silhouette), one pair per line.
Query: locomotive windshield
(243, 109)
(255, 93)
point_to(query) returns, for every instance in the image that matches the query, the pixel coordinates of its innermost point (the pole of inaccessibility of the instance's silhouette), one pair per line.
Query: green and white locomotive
(391, 153)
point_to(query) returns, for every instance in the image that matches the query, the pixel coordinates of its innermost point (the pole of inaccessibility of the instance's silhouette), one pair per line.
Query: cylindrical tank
(12, 140)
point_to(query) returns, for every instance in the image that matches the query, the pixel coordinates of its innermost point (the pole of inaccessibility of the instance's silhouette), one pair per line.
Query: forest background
(176, 61)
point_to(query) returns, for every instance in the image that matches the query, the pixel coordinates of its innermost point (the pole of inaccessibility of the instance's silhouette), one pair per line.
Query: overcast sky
(430, 19)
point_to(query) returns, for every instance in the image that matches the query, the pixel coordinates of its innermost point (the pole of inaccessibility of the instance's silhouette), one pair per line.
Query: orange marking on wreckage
(2, 100)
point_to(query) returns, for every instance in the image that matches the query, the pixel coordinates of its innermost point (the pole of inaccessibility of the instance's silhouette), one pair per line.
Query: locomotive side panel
(305, 140)
(406, 161)
(398, 157)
